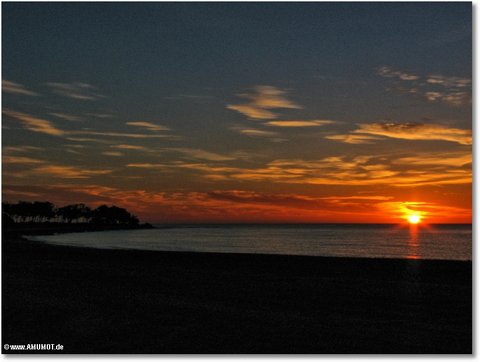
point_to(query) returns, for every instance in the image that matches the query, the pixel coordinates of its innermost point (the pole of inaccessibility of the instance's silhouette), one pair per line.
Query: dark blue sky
(215, 74)
(157, 49)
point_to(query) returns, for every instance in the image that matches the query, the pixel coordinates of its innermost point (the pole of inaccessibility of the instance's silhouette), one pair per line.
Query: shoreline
(62, 228)
(134, 301)
(27, 232)
(332, 257)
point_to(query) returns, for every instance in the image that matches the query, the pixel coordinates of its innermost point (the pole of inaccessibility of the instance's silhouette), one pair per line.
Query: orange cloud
(417, 131)
(68, 172)
(67, 117)
(77, 90)
(20, 160)
(455, 82)
(390, 72)
(257, 132)
(124, 135)
(200, 154)
(313, 123)
(148, 126)
(262, 100)
(148, 165)
(354, 139)
(251, 111)
(86, 139)
(367, 132)
(34, 124)
(451, 159)
(21, 149)
(454, 91)
(129, 147)
(16, 88)
(115, 154)
(339, 170)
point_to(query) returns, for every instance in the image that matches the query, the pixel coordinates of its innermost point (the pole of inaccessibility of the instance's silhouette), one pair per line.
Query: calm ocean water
(452, 242)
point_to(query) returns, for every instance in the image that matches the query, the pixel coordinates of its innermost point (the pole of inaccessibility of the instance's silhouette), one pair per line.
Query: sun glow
(414, 219)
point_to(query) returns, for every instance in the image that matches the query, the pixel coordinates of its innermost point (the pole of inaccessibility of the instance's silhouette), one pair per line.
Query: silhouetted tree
(113, 215)
(73, 212)
(20, 212)
(100, 215)
(25, 211)
(38, 211)
(42, 211)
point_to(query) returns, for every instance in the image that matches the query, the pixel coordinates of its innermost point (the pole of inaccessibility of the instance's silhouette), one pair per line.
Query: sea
(442, 242)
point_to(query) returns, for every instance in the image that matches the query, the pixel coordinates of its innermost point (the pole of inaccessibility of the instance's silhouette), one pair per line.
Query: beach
(125, 301)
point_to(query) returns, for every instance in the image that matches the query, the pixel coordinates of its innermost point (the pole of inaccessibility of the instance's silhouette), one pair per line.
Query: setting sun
(414, 219)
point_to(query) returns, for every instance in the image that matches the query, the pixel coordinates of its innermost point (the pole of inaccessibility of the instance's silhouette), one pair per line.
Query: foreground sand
(116, 301)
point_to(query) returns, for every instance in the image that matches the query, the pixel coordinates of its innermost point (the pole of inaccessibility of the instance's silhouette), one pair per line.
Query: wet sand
(119, 301)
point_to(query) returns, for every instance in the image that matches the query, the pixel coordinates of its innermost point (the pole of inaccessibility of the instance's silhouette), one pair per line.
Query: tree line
(44, 212)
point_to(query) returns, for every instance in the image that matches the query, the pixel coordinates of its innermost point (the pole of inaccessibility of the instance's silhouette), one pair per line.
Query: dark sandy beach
(118, 301)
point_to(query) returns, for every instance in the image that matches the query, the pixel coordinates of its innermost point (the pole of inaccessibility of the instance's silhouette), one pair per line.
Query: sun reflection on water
(413, 242)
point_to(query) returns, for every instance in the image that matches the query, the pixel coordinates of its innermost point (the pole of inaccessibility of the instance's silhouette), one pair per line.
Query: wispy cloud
(148, 126)
(70, 150)
(40, 125)
(208, 170)
(124, 135)
(68, 172)
(455, 82)
(368, 170)
(455, 91)
(86, 139)
(272, 199)
(20, 160)
(112, 153)
(201, 154)
(367, 132)
(76, 90)
(67, 117)
(252, 132)
(453, 98)
(417, 131)
(453, 159)
(149, 165)
(62, 194)
(300, 123)
(258, 133)
(394, 171)
(294, 200)
(262, 101)
(354, 139)
(7, 150)
(100, 115)
(390, 72)
(358, 197)
(34, 167)
(34, 124)
(129, 147)
(16, 88)
(19, 193)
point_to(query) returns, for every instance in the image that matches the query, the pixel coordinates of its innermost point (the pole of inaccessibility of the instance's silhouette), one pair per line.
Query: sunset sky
(241, 112)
